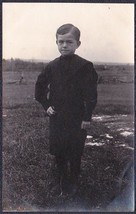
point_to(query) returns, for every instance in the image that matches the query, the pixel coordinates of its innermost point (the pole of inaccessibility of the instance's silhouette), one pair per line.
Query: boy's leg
(75, 163)
(77, 147)
(62, 165)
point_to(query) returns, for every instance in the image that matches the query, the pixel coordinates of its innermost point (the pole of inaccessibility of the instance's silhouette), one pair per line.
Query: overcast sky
(107, 30)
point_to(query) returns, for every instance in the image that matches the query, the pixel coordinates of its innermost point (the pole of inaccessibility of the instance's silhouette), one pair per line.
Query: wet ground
(120, 130)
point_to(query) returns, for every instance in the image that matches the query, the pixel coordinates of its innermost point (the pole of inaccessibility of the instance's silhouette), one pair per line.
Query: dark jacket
(69, 84)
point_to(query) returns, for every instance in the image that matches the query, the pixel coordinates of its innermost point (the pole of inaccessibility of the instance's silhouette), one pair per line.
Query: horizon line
(48, 60)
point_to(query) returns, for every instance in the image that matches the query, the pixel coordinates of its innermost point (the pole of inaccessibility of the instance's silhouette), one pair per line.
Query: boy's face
(67, 44)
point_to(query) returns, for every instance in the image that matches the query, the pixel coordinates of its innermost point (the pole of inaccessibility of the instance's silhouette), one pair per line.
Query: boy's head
(68, 39)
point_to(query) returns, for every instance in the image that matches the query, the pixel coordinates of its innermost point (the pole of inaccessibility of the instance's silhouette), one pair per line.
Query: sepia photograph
(68, 107)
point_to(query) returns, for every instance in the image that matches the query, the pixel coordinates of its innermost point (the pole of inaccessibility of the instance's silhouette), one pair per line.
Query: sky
(107, 30)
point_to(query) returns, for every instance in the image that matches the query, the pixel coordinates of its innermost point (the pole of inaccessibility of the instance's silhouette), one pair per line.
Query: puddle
(89, 137)
(113, 118)
(124, 124)
(127, 129)
(101, 118)
(94, 144)
(124, 145)
(126, 133)
(120, 126)
(4, 115)
(109, 117)
(108, 136)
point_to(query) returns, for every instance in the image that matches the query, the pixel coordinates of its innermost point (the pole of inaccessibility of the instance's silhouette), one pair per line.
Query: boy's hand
(85, 125)
(51, 111)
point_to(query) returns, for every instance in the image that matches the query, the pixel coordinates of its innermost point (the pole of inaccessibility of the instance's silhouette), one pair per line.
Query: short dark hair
(67, 28)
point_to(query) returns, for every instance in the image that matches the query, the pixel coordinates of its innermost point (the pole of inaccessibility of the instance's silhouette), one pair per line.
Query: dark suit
(71, 83)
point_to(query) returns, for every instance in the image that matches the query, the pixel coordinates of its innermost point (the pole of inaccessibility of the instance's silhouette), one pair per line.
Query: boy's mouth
(64, 50)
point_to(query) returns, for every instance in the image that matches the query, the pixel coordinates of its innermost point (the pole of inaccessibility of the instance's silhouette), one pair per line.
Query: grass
(29, 171)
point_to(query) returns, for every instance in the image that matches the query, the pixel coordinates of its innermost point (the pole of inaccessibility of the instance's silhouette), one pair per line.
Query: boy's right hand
(51, 111)
(85, 125)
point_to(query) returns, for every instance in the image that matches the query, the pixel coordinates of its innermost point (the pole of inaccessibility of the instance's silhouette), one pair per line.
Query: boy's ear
(56, 42)
(78, 43)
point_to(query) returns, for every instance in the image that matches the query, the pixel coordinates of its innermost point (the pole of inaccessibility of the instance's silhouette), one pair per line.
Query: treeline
(33, 65)
(22, 65)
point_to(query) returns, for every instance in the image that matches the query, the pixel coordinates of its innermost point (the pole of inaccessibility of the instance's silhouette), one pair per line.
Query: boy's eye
(68, 42)
(60, 42)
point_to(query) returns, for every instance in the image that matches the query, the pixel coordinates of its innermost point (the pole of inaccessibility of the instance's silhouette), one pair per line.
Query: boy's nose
(64, 44)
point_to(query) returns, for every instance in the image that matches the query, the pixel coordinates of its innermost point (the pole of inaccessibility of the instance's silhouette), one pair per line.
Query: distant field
(116, 73)
(121, 94)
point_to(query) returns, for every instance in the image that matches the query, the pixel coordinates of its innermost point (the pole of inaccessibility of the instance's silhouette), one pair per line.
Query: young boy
(67, 90)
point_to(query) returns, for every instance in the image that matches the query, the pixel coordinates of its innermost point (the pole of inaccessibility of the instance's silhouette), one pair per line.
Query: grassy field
(120, 95)
(29, 171)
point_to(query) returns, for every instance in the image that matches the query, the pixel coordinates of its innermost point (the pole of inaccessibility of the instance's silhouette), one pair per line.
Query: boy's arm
(89, 91)
(41, 88)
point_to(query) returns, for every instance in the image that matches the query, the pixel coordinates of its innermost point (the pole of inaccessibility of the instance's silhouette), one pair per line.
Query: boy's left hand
(85, 125)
